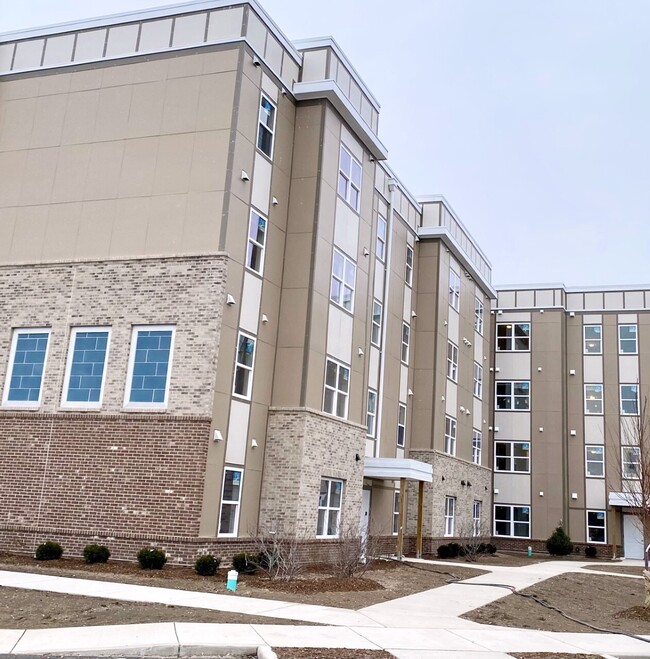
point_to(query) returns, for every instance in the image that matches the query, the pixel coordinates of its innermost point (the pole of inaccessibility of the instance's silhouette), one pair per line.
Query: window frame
(626, 473)
(408, 266)
(452, 361)
(253, 243)
(601, 399)
(593, 526)
(511, 458)
(478, 381)
(372, 394)
(406, 343)
(16, 332)
(511, 521)
(511, 338)
(229, 502)
(451, 434)
(376, 325)
(263, 125)
(381, 242)
(129, 374)
(450, 517)
(512, 396)
(329, 508)
(454, 290)
(337, 392)
(396, 496)
(621, 400)
(477, 446)
(479, 309)
(342, 284)
(477, 514)
(244, 367)
(588, 461)
(598, 345)
(401, 425)
(74, 331)
(349, 182)
(635, 339)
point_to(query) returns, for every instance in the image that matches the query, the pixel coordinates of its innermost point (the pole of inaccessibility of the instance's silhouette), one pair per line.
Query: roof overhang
(397, 468)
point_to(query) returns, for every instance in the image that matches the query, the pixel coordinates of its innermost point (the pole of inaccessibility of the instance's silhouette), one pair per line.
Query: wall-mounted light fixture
(245, 176)
(217, 436)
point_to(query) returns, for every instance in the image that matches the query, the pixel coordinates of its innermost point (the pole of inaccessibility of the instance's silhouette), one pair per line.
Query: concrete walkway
(421, 626)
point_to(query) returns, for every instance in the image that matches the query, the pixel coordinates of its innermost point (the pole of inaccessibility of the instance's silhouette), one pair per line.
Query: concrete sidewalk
(421, 626)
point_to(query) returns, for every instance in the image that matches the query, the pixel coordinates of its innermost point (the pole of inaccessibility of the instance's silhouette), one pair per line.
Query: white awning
(625, 499)
(396, 468)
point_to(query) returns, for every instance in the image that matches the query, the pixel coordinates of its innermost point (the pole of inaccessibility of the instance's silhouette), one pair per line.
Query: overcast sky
(532, 117)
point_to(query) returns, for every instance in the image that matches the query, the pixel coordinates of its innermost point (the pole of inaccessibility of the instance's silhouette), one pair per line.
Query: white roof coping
(397, 468)
(615, 288)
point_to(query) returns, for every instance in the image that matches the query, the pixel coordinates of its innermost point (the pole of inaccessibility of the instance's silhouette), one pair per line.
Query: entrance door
(632, 537)
(365, 514)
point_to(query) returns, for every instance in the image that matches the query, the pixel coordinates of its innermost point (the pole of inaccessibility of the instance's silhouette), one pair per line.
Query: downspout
(392, 184)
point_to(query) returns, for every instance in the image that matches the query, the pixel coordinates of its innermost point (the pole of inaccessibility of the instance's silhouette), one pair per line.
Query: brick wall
(303, 446)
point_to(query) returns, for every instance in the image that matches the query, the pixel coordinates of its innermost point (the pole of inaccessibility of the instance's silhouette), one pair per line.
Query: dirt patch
(331, 653)
(619, 569)
(553, 655)
(601, 600)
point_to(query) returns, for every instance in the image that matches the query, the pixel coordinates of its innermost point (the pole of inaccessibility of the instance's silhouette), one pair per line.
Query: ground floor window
(512, 521)
(595, 526)
(329, 508)
(396, 513)
(450, 515)
(230, 500)
(476, 518)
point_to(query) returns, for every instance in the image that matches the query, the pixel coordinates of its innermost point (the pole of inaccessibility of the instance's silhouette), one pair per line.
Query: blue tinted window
(27, 369)
(151, 366)
(87, 367)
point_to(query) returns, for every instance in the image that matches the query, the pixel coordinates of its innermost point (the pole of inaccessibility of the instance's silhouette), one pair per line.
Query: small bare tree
(474, 537)
(354, 552)
(280, 554)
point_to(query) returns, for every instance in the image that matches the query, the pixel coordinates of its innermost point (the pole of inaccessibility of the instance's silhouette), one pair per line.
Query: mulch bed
(331, 653)
(553, 655)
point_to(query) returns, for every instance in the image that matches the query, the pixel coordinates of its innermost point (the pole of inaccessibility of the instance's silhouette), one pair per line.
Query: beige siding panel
(634, 300)
(595, 493)
(593, 300)
(478, 411)
(544, 298)
(6, 55)
(513, 366)
(627, 318)
(592, 318)
(237, 433)
(29, 233)
(58, 50)
(593, 368)
(574, 301)
(189, 30)
(594, 430)
(250, 303)
(261, 184)
(614, 300)
(525, 298)
(28, 54)
(346, 229)
(451, 399)
(273, 54)
(478, 349)
(121, 40)
(353, 145)
(370, 448)
(256, 33)
(406, 311)
(512, 425)
(628, 369)
(313, 65)
(379, 280)
(514, 317)
(269, 88)
(452, 326)
(225, 24)
(90, 45)
(155, 35)
(513, 488)
(506, 299)
(403, 384)
(339, 334)
(373, 368)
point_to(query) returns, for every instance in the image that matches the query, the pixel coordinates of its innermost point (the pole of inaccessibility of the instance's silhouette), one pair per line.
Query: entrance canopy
(629, 499)
(398, 468)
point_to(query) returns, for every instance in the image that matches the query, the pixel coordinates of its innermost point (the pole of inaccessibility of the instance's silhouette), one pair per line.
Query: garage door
(632, 537)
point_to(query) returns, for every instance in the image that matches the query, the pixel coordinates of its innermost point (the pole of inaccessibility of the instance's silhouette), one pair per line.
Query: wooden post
(402, 510)
(418, 547)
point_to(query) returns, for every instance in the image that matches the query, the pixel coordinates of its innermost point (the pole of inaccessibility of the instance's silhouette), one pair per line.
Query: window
(629, 399)
(452, 361)
(477, 508)
(337, 387)
(86, 369)
(450, 435)
(631, 462)
(593, 399)
(478, 380)
(266, 126)
(478, 316)
(512, 521)
(450, 516)
(593, 340)
(371, 413)
(408, 275)
(147, 384)
(344, 272)
(595, 461)
(230, 500)
(380, 249)
(406, 336)
(26, 366)
(513, 395)
(512, 456)
(513, 337)
(256, 242)
(244, 361)
(595, 526)
(395, 513)
(477, 443)
(627, 344)
(375, 337)
(329, 508)
(454, 290)
(401, 424)
(349, 178)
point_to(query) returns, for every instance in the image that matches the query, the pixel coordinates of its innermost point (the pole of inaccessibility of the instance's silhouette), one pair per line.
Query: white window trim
(602, 398)
(408, 272)
(129, 377)
(512, 520)
(256, 214)
(377, 325)
(587, 461)
(477, 514)
(511, 456)
(406, 345)
(478, 381)
(452, 361)
(396, 494)
(512, 337)
(337, 391)
(68, 369)
(371, 392)
(237, 503)
(10, 367)
(400, 407)
(251, 368)
(450, 517)
(596, 510)
(454, 290)
(513, 397)
(348, 178)
(477, 446)
(584, 340)
(478, 315)
(271, 130)
(620, 399)
(343, 285)
(450, 437)
(327, 507)
(381, 221)
(624, 462)
(636, 339)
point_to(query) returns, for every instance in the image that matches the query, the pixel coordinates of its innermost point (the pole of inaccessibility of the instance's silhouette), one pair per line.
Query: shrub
(151, 558)
(490, 548)
(455, 549)
(591, 552)
(246, 563)
(48, 551)
(96, 553)
(444, 551)
(559, 544)
(207, 565)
